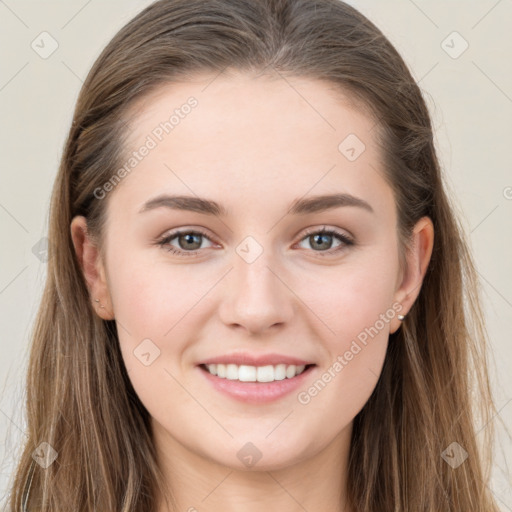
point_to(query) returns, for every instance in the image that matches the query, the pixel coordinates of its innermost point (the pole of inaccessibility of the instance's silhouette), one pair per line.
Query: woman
(255, 369)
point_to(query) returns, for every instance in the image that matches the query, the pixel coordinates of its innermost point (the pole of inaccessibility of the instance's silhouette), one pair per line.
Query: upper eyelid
(326, 228)
(180, 231)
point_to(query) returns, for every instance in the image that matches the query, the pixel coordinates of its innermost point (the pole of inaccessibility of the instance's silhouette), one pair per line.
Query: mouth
(260, 374)
(256, 385)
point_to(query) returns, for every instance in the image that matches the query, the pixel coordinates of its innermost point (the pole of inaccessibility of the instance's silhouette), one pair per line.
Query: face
(254, 283)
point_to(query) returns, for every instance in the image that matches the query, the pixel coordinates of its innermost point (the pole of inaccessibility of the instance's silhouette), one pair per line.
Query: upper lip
(244, 358)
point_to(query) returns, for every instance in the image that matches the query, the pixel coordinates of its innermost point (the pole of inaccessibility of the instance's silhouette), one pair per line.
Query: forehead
(265, 136)
(253, 105)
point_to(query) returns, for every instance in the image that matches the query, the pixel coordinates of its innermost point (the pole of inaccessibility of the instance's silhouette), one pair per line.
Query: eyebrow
(301, 206)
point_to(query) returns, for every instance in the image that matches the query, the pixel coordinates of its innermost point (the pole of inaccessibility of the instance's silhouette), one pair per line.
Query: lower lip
(257, 392)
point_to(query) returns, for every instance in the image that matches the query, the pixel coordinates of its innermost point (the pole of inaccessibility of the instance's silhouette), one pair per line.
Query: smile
(246, 373)
(262, 384)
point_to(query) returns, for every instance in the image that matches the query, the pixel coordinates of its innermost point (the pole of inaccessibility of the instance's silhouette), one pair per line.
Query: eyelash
(329, 252)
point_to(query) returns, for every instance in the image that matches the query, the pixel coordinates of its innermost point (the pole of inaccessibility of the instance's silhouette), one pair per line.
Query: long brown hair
(434, 388)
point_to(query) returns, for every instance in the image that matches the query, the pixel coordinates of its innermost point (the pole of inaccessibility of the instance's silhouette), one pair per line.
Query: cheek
(358, 315)
(152, 326)
(352, 298)
(149, 299)
(158, 309)
(353, 311)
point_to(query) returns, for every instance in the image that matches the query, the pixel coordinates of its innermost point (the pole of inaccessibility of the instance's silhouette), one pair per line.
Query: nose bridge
(256, 298)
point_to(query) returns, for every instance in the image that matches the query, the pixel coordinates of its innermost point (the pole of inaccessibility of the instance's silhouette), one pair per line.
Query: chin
(259, 455)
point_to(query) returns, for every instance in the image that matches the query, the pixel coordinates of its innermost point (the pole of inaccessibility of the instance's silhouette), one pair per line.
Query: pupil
(190, 238)
(316, 237)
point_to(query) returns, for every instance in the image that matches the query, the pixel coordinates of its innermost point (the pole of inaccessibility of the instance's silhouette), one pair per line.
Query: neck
(199, 484)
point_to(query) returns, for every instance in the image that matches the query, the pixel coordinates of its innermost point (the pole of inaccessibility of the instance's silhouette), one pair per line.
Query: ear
(417, 260)
(92, 266)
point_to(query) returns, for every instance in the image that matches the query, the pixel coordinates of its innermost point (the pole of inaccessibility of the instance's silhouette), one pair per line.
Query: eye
(322, 239)
(189, 242)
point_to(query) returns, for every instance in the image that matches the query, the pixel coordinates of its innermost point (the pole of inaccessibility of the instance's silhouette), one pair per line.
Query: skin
(254, 145)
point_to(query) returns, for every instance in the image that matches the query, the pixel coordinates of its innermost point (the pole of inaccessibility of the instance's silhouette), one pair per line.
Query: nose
(256, 296)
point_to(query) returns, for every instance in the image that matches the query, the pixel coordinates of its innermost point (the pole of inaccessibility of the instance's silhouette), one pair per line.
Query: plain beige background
(461, 52)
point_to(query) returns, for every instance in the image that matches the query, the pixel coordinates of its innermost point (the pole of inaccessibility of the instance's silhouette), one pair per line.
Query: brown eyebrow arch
(300, 206)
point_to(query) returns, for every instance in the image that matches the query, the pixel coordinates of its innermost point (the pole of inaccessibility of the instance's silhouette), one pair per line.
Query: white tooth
(247, 373)
(221, 370)
(232, 372)
(290, 371)
(280, 372)
(265, 373)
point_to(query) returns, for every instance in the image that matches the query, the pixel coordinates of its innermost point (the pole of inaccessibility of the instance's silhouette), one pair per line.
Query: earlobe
(418, 259)
(91, 264)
